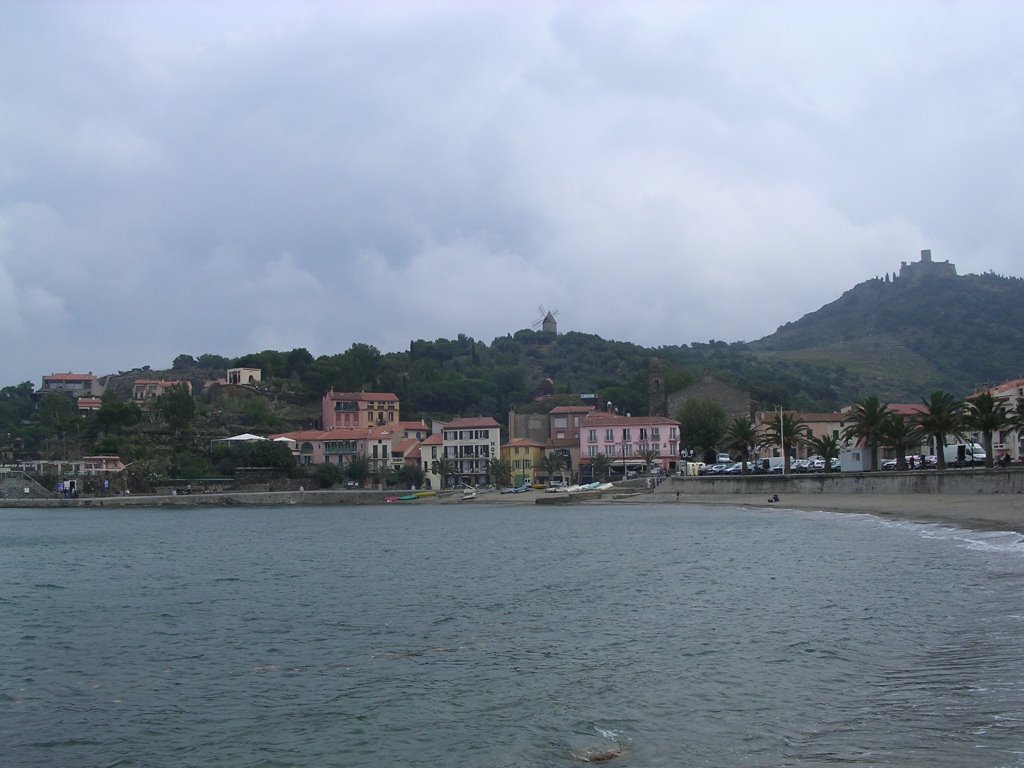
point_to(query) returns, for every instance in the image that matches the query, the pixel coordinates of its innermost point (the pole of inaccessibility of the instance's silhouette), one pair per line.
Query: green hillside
(905, 337)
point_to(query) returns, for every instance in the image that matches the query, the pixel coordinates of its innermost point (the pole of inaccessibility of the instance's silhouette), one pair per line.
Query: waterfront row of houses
(370, 424)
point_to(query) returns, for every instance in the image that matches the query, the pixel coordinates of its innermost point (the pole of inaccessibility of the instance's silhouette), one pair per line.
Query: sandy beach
(979, 511)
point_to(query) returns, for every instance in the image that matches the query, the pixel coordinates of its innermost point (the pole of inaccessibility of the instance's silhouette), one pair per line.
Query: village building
(626, 439)
(524, 456)
(352, 410)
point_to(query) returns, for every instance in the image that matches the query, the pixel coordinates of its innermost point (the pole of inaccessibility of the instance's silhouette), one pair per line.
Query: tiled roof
(479, 422)
(572, 409)
(602, 419)
(362, 396)
(69, 377)
(523, 442)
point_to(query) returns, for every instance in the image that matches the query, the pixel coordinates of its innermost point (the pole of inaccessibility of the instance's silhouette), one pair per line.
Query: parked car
(801, 465)
(737, 468)
(716, 469)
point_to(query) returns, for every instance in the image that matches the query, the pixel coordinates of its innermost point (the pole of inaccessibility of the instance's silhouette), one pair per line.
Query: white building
(470, 444)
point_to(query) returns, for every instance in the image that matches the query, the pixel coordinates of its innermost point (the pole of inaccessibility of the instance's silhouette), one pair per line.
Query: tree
(328, 475)
(114, 415)
(785, 431)
(740, 436)
(500, 470)
(865, 425)
(987, 415)
(902, 435)
(445, 468)
(701, 424)
(383, 474)
(55, 411)
(358, 469)
(410, 476)
(943, 415)
(183, 362)
(601, 464)
(648, 457)
(826, 446)
(552, 464)
(177, 406)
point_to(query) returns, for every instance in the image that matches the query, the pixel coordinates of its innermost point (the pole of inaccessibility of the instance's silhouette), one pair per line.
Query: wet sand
(989, 511)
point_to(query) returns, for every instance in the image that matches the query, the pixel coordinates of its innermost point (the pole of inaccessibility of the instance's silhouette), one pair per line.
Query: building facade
(626, 439)
(354, 410)
(471, 444)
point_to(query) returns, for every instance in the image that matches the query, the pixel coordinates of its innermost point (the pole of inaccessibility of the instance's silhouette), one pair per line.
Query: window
(626, 434)
(560, 435)
(561, 422)
(592, 450)
(655, 434)
(643, 434)
(592, 436)
(609, 435)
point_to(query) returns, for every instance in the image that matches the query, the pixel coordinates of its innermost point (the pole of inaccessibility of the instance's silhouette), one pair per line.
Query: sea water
(506, 635)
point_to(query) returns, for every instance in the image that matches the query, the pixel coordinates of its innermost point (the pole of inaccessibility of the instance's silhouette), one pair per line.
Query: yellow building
(524, 456)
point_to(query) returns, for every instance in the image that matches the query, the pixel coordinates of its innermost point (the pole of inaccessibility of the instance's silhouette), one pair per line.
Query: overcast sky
(180, 178)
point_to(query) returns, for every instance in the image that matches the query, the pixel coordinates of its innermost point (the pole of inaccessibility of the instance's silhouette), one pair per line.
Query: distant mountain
(904, 336)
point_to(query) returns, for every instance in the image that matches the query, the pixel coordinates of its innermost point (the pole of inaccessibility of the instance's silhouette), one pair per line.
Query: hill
(904, 337)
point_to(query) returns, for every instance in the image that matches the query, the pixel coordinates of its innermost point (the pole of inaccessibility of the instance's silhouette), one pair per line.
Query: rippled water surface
(506, 636)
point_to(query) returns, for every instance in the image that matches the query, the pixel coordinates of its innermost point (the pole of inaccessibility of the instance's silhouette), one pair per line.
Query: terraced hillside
(908, 337)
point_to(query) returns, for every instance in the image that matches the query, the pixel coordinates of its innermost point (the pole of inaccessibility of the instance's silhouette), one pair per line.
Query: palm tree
(601, 464)
(552, 464)
(500, 470)
(865, 425)
(358, 469)
(383, 474)
(740, 436)
(902, 435)
(785, 431)
(648, 457)
(445, 468)
(826, 446)
(943, 415)
(987, 415)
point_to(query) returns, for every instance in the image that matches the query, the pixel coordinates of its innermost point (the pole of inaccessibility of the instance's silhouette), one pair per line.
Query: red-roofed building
(73, 384)
(624, 438)
(351, 410)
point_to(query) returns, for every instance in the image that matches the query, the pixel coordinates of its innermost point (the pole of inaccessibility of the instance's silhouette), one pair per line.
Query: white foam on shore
(1009, 542)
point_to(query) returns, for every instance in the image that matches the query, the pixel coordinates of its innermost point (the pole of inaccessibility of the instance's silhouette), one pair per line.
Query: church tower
(657, 397)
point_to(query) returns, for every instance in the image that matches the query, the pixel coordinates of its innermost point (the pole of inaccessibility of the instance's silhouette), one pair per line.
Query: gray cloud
(233, 177)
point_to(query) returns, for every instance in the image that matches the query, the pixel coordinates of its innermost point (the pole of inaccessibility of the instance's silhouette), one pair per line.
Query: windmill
(546, 321)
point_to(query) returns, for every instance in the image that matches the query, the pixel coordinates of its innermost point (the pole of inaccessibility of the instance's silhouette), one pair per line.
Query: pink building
(623, 439)
(352, 410)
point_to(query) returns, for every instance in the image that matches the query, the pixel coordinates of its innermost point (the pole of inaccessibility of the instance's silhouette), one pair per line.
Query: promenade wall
(231, 498)
(954, 481)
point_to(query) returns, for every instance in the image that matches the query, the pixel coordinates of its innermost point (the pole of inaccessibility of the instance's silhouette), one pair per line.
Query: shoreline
(986, 512)
(977, 511)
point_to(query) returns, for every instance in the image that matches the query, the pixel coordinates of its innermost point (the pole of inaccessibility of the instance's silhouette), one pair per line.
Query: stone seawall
(954, 481)
(233, 498)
